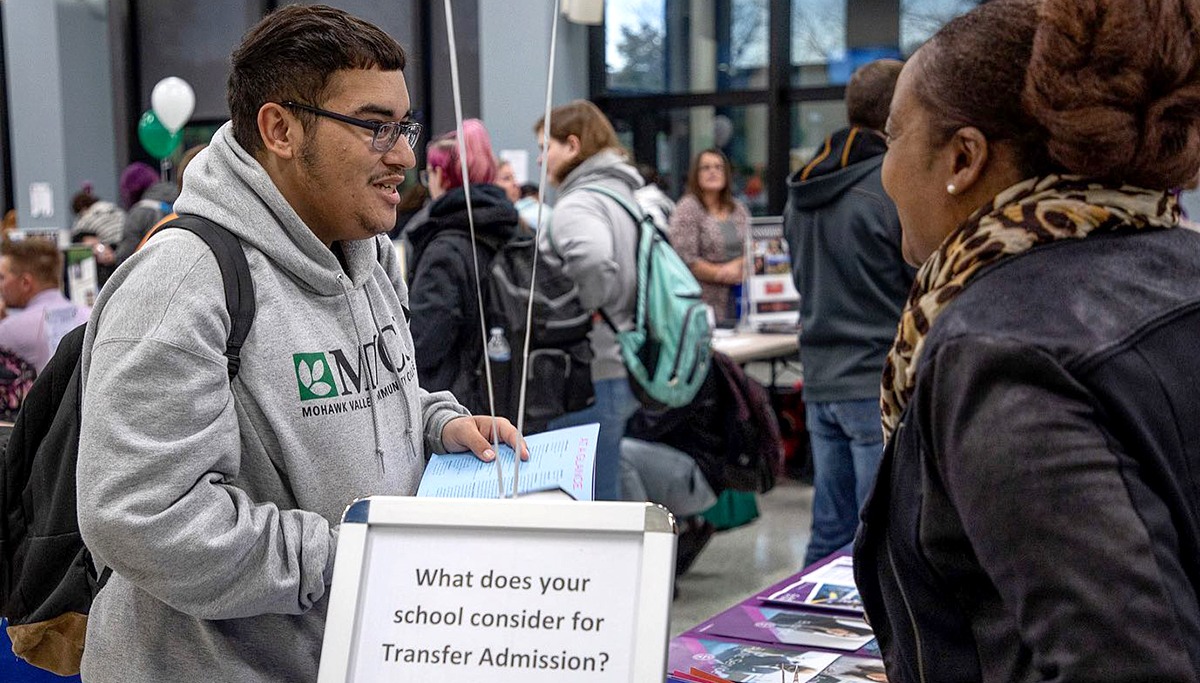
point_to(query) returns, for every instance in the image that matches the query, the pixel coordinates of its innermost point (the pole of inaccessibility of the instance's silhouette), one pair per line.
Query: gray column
(60, 105)
(514, 46)
(872, 23)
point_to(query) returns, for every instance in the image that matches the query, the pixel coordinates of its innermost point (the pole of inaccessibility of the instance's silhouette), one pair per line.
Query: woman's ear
(970, 152)
(574, 146)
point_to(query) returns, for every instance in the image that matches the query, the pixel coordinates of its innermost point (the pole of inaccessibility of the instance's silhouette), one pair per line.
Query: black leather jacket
(1037, 514)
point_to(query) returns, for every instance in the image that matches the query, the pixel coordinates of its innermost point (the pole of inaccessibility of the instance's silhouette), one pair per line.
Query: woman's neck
(712, 202)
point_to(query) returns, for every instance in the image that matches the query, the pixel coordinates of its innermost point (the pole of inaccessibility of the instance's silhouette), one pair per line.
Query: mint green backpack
(667, 351)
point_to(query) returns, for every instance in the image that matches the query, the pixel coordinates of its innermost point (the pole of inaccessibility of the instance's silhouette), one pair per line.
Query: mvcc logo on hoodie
(318, 378)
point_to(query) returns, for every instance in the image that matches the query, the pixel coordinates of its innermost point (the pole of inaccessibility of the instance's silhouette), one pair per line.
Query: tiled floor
(740, 562)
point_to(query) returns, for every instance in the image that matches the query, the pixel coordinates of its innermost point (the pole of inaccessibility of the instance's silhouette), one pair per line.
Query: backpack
(560, 356)
(667, 351)
(16, 379)
(47, 577)
(729, 429)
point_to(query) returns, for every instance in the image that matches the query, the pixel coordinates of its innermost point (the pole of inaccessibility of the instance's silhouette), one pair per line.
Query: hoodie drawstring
(372, 396)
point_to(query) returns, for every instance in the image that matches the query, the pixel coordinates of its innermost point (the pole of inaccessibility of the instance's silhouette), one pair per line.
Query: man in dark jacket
(844, 239)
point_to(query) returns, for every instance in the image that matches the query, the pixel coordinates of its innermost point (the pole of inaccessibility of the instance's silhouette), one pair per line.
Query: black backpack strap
(235, 272)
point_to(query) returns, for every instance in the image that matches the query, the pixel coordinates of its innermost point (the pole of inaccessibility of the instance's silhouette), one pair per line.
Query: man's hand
(475, 434)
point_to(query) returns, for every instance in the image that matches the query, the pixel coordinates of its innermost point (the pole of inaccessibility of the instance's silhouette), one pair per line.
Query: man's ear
(970, 150)
(281, 132)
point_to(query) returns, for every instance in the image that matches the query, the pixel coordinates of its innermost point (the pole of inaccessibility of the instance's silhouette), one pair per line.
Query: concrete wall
(87, 98)
(514, 51)
(60, 103)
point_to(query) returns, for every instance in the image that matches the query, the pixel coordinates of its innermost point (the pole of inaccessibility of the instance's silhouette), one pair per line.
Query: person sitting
(30, 280)
(442, 286)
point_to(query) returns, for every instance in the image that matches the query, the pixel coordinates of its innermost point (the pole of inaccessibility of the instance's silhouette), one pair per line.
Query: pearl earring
(951, 188)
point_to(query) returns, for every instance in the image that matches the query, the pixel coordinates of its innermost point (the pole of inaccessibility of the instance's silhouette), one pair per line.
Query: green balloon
(155, 138)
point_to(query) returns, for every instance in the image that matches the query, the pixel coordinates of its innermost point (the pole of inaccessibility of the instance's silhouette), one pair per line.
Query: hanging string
(462, 158)
(462, 153)
(537, 231)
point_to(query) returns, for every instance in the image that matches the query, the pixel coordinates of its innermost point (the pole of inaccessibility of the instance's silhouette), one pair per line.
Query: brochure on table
(828, 585)
(752, 640)
(756, 663)
(770, 624)
(563, 459)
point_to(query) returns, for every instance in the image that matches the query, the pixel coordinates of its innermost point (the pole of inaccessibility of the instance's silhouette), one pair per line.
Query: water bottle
(497, 346)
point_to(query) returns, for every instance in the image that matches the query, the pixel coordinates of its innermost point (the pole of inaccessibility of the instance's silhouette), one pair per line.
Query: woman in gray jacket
(595, 240)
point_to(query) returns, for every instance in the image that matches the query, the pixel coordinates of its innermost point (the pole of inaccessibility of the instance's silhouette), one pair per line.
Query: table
(747, 347)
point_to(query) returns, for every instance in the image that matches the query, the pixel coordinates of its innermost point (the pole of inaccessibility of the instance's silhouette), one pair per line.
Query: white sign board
(500, 591)
(41, 200)
(519, 160)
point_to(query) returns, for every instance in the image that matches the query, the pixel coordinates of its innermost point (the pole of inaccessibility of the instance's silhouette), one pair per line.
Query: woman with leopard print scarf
(1037, 512)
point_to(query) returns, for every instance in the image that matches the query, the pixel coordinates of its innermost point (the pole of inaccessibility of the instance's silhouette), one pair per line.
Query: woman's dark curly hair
(1107, 89)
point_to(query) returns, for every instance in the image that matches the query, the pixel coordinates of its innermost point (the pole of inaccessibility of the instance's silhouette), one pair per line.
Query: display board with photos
(772, 302)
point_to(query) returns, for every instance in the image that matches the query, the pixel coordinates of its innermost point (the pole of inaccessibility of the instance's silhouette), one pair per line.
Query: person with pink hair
(442, 293)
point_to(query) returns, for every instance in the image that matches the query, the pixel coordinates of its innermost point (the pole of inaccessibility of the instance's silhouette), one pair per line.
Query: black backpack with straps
(560, 351)
(47, 578)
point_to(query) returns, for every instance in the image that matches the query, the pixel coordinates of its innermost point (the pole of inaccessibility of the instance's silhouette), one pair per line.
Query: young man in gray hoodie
(216, 503)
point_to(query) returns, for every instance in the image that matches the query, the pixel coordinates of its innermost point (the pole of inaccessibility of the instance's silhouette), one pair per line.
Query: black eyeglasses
(385, 134)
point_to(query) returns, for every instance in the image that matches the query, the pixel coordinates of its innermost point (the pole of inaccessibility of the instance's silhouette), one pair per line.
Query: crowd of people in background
(991, 263)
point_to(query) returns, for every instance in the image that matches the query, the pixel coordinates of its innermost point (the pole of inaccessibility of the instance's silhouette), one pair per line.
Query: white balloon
(173, 102)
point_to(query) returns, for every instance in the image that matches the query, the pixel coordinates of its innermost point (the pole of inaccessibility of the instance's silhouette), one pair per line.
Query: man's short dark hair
(869, 93)
(291, 54)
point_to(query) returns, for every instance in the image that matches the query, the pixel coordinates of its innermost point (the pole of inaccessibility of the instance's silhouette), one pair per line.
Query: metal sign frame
(653, 524)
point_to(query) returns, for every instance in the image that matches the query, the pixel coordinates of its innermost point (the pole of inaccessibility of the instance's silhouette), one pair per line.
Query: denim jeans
(847, 446)
(615, 404)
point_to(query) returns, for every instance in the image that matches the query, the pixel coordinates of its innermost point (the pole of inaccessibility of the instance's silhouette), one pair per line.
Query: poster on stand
(772, 302)
(82, 281)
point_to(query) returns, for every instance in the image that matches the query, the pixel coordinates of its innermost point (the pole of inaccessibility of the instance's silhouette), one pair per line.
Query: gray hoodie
(216, 505)
(595, 241)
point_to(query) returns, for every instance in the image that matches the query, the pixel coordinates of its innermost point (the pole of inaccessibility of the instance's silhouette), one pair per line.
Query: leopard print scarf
(1028, 214)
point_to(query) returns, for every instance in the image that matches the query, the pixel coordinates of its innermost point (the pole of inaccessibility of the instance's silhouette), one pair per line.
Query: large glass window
(920, 19)
(710, 58)
(681, 134)
(818, 38)
(812, 123)
(714, 46)
(635, 46)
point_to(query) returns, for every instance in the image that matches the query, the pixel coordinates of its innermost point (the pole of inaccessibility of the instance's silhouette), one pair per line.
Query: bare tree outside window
(749, 33)
(920, 19)
(818, 31)
(635, 37)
